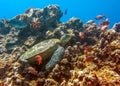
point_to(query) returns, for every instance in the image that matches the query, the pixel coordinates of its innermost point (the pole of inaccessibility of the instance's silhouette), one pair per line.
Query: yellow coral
(106, 73)
(116, 44)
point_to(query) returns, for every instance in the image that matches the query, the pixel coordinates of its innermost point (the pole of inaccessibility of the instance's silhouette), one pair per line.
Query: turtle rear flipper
(55, 58)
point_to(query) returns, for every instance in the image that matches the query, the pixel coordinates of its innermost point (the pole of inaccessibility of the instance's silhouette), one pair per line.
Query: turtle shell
(45, 49)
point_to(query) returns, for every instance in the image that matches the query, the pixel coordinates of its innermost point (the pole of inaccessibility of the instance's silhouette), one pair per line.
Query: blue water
(83, 9)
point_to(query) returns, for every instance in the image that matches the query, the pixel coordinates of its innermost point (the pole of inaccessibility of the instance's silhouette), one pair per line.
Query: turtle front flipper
(55, 58)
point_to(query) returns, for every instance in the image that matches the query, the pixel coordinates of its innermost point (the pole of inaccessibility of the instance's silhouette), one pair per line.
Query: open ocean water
(83, 9)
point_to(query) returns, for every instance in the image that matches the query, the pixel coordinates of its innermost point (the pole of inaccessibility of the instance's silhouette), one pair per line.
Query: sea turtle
(50, 52)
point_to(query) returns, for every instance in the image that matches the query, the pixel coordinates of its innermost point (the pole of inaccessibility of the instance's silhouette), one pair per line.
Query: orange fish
(81, 35)
(39, 59)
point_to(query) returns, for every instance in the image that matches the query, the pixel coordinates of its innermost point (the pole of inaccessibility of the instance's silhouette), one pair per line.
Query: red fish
(39, 59)
(35, 25)
(81, 35)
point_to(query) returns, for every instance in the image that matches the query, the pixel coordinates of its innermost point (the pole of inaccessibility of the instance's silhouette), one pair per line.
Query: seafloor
(91, 57)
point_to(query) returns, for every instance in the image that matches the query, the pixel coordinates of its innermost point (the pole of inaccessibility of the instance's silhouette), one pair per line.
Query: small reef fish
(35, 25)
(65, 12)
(39, 59)
(82, 35)
(100, 17)
(17, 24)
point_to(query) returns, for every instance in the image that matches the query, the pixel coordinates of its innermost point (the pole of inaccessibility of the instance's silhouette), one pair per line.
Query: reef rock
(4, 29)
(74, 23)
(90, 60)
(49, 16)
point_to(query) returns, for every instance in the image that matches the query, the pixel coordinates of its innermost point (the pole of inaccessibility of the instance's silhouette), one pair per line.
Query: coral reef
(91, 57)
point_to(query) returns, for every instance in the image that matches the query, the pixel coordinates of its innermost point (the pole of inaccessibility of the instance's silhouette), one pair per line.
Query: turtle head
(65, 38)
